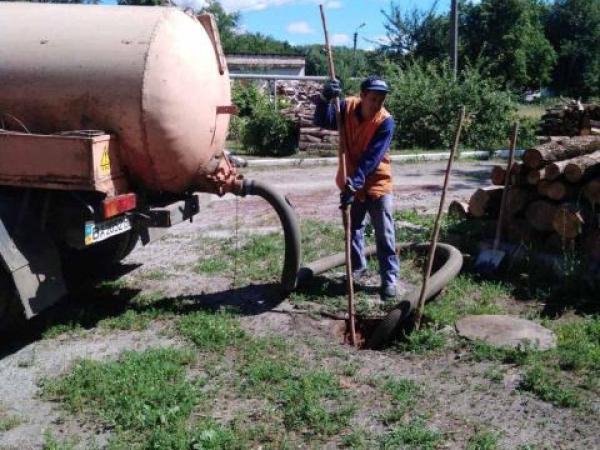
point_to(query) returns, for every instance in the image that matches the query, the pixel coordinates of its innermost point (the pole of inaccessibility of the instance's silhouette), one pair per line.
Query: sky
(299, 21)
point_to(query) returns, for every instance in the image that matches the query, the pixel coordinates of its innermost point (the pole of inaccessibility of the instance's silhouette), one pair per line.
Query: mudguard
(30, 256)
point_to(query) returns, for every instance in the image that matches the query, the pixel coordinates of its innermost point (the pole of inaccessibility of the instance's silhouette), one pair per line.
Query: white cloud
(340, 39)
(194, 4)
(334, 4)
(299, 28)
(253, 5)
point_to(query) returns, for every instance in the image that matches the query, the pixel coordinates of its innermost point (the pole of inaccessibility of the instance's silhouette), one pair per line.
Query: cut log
(519, 230)
(580, 167)
(540, 215)
(591, 191)
(499, 172)
(541, 155)
(458, 210)
(535, 176)
(543, 186)
(517, 199)
(485, 201)
(568, 221)
(591, 244)
(559, 190)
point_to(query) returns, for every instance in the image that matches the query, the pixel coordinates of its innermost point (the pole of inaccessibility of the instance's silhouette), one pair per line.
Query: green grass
(546, 385)
(8, 423)
(414, 435)
(141, 393)
(466, 295)
(483, 440)
(403, 395)
(423, 341)
(211, 331)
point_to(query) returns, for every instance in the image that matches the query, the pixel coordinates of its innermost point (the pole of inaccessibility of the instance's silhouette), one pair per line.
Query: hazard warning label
(105, 161)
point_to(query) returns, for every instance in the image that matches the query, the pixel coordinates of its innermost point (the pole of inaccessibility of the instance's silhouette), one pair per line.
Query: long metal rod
(342, 163)
(436, 227)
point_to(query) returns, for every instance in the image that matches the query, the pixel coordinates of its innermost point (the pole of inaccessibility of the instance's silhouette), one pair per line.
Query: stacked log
(553, 198)
(300, 96)
(572, 119)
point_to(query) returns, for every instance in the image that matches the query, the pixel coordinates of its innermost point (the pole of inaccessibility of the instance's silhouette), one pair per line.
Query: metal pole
(454, 37)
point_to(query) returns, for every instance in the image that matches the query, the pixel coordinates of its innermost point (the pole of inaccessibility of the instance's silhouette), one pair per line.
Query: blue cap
(374, 83)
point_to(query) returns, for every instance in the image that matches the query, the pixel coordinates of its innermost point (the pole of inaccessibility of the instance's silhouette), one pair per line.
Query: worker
(368, 188)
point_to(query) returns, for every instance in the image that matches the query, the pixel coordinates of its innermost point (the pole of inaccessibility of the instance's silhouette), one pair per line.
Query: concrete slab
(506, 331)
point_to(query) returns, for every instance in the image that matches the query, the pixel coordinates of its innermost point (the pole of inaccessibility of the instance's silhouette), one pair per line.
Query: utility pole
(354, 48)
(454, 37)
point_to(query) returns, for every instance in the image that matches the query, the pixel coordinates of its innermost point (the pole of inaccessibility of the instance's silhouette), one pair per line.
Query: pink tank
(153, 76)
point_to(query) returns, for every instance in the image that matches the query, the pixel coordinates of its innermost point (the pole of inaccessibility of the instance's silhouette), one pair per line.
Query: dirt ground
(464, 400)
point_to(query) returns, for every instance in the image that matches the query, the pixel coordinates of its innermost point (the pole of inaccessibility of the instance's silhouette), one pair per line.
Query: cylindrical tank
(151, 75)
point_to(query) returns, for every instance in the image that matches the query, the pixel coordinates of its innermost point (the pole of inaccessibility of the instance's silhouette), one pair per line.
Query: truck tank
(153, 76)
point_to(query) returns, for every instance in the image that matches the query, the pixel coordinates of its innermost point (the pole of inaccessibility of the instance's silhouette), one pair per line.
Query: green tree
(573, 27)
(510, 35)
(416, 34)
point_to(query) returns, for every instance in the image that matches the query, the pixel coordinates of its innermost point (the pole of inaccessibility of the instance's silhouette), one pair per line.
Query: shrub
(246, 97)
(424, 101)
(269, 133)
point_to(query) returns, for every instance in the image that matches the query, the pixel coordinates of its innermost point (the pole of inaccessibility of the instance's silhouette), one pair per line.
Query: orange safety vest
(358, 135)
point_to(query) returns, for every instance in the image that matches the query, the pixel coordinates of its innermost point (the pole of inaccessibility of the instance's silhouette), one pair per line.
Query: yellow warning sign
(105, 161)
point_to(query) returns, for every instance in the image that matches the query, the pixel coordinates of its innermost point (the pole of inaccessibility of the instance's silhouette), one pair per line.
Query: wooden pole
(511, 159)
(436, 227)
(342, 163)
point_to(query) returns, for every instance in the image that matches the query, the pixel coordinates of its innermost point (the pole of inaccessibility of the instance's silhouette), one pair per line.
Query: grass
(403, 394)
(483, 440)
(211, 331)
(7, 423)
(547, 385)
(414, 435)
(423, 341)
(141, 393)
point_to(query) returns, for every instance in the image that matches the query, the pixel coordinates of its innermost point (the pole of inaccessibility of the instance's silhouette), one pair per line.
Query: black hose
(447, 259)
(291, 230)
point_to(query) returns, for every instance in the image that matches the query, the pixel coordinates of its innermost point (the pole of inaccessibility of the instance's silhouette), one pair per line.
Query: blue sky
(299, 22)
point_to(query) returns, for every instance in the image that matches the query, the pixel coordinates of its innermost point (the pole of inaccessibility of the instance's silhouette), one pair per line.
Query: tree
(416, 34)
(573, 27)
(510, 35)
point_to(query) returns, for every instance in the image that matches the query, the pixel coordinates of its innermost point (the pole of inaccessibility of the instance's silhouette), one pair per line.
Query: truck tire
(11, 310)
(104, 254)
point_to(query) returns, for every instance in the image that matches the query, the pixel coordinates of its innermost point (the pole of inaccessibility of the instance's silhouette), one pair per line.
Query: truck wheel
(103, 254)
(11, 310)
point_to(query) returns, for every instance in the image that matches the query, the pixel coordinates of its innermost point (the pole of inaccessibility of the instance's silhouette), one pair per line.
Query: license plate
(99, 231)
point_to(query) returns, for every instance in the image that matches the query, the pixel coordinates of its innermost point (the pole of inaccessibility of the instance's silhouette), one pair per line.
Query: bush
(236, 128)
(246, 97)
(424, 101)
(269, 133)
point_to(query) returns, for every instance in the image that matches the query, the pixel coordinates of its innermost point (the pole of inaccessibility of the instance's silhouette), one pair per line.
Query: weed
(139, 392)
(482, 351)
(129, 320)
(71, 327)
(422, 341)
(579, 345)
(494, 374)
(51, 443)
(414, 435)
(8, 423)
(212, 265)
(403, 393)
(545, 385)
(157, 275)
(483, 440)
(357, 440)
(211, 331)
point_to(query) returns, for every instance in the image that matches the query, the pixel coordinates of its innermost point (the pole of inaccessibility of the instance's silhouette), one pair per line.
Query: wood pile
(553, 197)
(571, 119)
(300, 95)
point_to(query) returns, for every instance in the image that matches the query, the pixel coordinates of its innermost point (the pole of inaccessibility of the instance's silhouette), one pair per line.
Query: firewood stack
(571, 119)
(553, 198)
(300, 94)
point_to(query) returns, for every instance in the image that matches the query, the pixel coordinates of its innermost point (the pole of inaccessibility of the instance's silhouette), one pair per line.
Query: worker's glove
(331, 90)
(347, 196)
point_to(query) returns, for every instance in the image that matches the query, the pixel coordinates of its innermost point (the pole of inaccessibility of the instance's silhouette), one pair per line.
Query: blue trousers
(380, 212)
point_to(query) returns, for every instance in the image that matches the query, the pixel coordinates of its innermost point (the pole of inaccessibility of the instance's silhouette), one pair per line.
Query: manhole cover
(506, 331)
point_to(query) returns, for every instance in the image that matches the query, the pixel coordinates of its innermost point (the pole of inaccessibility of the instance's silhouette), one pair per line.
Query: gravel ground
(462, 400)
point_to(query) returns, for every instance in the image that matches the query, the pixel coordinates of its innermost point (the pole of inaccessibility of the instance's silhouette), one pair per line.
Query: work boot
(388, 292)
(358, 277)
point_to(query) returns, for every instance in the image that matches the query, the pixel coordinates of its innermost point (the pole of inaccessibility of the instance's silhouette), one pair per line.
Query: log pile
(300, 95)
(553, 199)
(572, 119)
